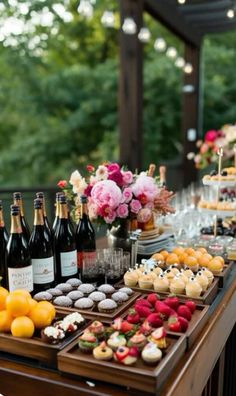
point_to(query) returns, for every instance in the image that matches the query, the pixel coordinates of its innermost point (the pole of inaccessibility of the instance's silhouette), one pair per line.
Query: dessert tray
(35, 347)
(138, 376)
(223, 276)
(221, 183)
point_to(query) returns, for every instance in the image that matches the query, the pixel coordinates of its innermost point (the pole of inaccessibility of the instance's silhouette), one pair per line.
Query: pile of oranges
(20, 315)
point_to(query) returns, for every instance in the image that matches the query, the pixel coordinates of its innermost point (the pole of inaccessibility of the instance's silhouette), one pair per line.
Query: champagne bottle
(41, 251)
(3, 244)
(162, 172)
(40, 195)
(19, 265)
(56, 220)
(85, 244)
(65, 246)
(17, 196)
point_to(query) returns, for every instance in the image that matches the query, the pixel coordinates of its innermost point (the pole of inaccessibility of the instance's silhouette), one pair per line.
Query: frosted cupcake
(130, 278)
(177, 286)
(145, 281)
(161, 284)
(202, 280)
(193, 288)
(208, 274)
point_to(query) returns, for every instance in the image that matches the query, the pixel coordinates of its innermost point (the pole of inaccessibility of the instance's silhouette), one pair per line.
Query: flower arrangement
(116, 193)
(209, 146)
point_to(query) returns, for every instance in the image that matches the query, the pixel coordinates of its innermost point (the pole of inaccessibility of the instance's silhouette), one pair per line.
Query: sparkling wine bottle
(56, 220)
(17, 196)
(3, 244)
(40, 195)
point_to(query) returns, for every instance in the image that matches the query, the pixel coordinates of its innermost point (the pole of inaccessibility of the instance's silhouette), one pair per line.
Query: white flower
(78, 182)
(102, 172)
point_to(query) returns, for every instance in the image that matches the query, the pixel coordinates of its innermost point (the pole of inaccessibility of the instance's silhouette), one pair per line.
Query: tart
(97, 329)
(158, 337)
(116, 340)
(126, 355)
(103, 352)
(138, 340)
(151, 354)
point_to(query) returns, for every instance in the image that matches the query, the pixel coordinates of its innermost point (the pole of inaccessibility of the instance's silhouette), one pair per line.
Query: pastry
(75, 318)
(192, 263)
(107, 306)
(172, 259)
(64, 287)
(97, 329)
(168, 274)
(208, 274)
(84, 303)
(55, 292)
(63, 301)
(67, 326)
(86, 288)
(202, 280)
(193, 288)
(103, 352)
(126, 290)
(145, 281)
(119, 297)
(74, 282)
(151, 354)
(188, 273)
(116, 340)
(75, 295)
(126, 355)
(52, 335)
(87, 342)
(130, 278)
(97, 296)
(107, 289)
(43, 296)
(174, 269)
(153, 275)
(158, 337)
(158, 270)
(161, 284)
(215, 266)
(183, 277)
(177, 286)
(138, 340)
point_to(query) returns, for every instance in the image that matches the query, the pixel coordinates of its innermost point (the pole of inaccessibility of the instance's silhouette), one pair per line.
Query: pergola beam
(205, 6)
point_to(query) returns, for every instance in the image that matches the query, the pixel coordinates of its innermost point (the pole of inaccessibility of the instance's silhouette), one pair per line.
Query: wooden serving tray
(205, 299)
(35, 348)
(223, 276)
(95, 314)
(139, 376)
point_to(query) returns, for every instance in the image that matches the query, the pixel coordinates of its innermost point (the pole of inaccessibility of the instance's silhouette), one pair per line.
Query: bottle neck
(15, 225)
(57, 209)
(20, 204)
(38, 217)
(83, 210)
(44, 207)
(2, 224)
(63, 211)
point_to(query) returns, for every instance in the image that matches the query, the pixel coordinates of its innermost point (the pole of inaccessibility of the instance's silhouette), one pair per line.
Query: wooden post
(191, 112)
(131, 88)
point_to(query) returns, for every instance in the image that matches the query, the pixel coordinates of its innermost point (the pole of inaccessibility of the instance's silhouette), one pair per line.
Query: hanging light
(180, 62)
(85, 9)
(160, 45)
(108, 19)
(144, 35)
(129, 26)
(231, 13)
(188, 68)
(171, 52)
(181, 1)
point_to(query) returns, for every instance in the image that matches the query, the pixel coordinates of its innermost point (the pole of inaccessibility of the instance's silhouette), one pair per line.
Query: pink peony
(122, 211)
(127, 177)
(145, 185)
(114, 167)
(135, 206)
(127, 195)
(211, 136)
(106, 192)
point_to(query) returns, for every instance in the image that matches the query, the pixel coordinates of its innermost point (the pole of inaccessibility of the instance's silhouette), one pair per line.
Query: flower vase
(119, 237)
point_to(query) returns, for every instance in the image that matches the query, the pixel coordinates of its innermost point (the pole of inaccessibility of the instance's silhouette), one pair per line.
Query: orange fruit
(48, 307)
(178, 250)
(164, 253)
(22, 327)
(22, 292)
(190, 251)
(41, 317)
(158, 257)
(220, 259)
(182, 257)
(197, 254)
(172, 259)
(208, 256)
(32, 303)
(17, 305)
(202, 250)
(3, 296)
(215, 265)
(203, 261)
(5, 321)
(190, 261)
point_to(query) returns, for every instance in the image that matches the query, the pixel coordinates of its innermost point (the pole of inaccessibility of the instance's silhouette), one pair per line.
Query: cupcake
(202, 280)
(55, 292)
(138, 340)
(208, 274)
(152, 274)
(126, 290)
(43, 296)
(119, 297)
(183, 277)
(103, 352)
(52, 335)
(116, 340)
(161, 284)
(63, 301)
(158, 271)
(107, 289)
(126, 355)
(74, 282)
(188, 273)
(177, 286)
(174, 269)
(130, 278)
(75, 295)
(158, 337)
(107, 306)
(193, 288)
(151, 354)
(64, 287)
(67, 326)
(168, 274)
(75, 318)
(84, 303)
(87, 342)
(145, 281)
(97, 329)
(86, 288)
(97, 296)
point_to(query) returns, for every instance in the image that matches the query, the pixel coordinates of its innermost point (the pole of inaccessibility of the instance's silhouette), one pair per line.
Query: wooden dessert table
(204, 370)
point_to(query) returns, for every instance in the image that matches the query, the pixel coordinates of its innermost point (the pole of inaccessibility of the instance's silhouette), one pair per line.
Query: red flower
(62, 183)
(211, 136)
(87, 191)
(143, 199)
(117, 177)
(90, 168)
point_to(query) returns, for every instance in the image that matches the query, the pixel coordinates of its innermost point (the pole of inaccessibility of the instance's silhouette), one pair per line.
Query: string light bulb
(144, 35)
(108, 19)
(160, 45)
(230, 13)
(129, 26)
(171, 52)
(188, 68)
(181, 1)
(180, 62)
(85, 9)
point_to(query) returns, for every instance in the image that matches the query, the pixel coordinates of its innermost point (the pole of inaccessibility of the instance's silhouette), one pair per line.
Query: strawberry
(126, 327)
(191, 305)
(143, 302)
(133, 351)
(116, 325)
(184, 312)
(155, 320)
(143, 312)
(121, 353)
(172, 301)
(163, 309)
(159, 333)
(133, 317)
(152, 298)
(174, 324)
(183, 323)
(146, 328)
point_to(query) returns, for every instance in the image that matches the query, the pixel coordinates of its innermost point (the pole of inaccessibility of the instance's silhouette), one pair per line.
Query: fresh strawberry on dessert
(183, 323)
(155, 320)
(158, 337)
(152, 298)
(143, 311)
(172, 302)
(185, 312)
(126, 327)
(174, 324)
(143, 302)
(116, 324)
(138, 340)
(163, 309)
(191, 305)
(133, 317)
(146, 328)
(126, 355)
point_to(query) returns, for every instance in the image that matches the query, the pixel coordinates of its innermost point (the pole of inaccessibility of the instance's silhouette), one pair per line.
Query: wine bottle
(65, 246)
(56, 220)
(17, 196)
(85, 244)
(3, 244)
(41, 251)
(19, 265)
(162, 172)
(40, 195)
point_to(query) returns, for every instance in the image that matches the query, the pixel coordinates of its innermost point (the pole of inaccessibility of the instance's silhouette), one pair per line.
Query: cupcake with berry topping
(97, 329)
(87, 342)
(158, 337)
(52, 335)
(138, 340)
(116, 340)
(125, 355)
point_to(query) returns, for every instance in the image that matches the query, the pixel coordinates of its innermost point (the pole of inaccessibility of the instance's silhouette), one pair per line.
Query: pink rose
(106, 192)
(62, 183)
(127, 177)
(90, 168)
(122, 211)
(127, 195)
(111, 217)
(113, 167)
(116, 177)
(135, 206)
(210, 136)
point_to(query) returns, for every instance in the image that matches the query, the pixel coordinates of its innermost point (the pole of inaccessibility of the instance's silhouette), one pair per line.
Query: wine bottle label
(85, 255)
(20, 278)
(68, 263)
(43, 270)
